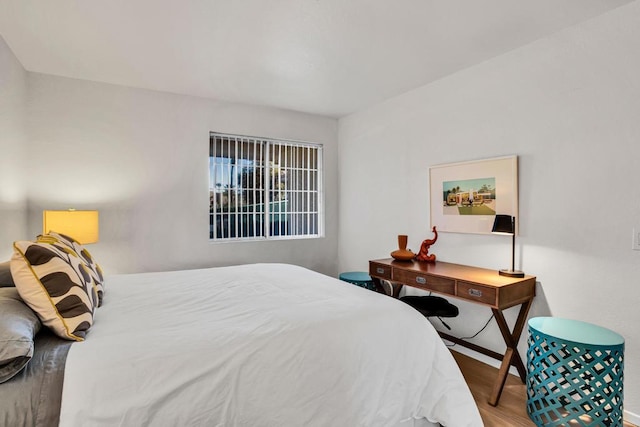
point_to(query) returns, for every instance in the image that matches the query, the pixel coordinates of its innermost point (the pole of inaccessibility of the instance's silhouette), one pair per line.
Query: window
(264, 189)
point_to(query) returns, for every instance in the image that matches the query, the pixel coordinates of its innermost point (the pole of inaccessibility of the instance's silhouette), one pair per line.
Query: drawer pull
(421, 280)
(380, 270)
(475, 293)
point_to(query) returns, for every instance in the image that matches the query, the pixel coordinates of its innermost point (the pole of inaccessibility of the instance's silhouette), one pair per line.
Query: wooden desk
(478, 285)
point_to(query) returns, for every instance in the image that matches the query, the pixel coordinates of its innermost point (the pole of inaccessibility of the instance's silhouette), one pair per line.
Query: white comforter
(259, 345)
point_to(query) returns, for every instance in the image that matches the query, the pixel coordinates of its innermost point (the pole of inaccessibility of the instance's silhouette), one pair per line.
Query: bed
(252, 345)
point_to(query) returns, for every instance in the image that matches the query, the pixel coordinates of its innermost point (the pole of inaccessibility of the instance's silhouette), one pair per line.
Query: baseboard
(632, 418)
(481, 357)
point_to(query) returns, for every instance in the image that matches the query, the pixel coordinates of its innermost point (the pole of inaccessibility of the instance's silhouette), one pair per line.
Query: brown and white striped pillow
(54, 281)
(94, 268)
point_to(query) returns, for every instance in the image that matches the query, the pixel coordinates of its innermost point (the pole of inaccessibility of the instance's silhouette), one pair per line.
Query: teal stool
(359, 278)
(574, 373)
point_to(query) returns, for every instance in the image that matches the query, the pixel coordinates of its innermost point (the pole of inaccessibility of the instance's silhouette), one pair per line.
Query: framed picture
(466, 196)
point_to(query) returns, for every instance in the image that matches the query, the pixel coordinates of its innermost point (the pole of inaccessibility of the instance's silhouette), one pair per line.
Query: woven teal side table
(359, 278)
(574, 373)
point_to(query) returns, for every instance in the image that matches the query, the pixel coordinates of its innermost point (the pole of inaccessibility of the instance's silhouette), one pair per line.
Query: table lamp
(506, 224)
(81, 225)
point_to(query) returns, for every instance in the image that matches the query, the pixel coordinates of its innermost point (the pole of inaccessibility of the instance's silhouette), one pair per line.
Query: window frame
(267, 167)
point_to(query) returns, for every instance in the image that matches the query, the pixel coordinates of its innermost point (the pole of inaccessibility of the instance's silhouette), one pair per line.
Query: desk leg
(396, 287)
(511, 355)
(377, 284)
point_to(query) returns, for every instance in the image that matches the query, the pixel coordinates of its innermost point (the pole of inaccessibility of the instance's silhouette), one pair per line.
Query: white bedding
(259, 345)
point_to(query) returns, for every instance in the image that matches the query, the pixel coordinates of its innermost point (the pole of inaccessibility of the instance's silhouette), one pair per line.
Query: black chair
(432, 306)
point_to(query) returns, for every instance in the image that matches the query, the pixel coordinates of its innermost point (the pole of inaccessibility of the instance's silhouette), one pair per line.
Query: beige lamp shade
(81, 225)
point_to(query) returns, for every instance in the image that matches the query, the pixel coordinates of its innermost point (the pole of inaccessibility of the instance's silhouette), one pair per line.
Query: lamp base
(511, 273)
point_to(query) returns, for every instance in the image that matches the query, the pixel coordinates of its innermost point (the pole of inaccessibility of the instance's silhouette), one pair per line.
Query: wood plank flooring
(512, 410)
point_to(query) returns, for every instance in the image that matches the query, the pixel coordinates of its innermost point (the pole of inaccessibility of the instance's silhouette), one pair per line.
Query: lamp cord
(465, 338)
(474, 335)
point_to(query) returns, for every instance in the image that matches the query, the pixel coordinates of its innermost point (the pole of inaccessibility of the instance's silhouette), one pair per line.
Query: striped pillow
(55, 283)
(89, 261)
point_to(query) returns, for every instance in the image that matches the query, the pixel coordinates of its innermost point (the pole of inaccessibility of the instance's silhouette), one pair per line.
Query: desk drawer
(475, 292)
(417, 279)
(380, 270)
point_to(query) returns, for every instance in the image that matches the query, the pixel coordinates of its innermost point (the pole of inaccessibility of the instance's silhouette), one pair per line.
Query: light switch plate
(635, 243)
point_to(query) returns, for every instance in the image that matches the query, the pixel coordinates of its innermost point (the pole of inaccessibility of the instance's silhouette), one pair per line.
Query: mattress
(259, 345)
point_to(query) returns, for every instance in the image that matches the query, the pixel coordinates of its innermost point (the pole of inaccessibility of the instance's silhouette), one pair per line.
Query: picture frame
(466, 196)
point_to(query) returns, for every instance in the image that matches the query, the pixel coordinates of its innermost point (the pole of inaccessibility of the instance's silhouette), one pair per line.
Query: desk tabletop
(479, 275)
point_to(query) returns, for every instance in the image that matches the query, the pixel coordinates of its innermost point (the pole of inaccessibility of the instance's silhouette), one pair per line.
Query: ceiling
(328, 57)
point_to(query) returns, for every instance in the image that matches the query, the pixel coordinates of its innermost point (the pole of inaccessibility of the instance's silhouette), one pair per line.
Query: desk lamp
(81, 225)
(506, 224)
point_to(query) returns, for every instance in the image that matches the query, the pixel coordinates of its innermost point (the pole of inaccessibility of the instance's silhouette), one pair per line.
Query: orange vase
(403, 254)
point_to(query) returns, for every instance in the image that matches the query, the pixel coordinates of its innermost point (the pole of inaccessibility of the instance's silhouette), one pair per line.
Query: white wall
(141, 158)
(569, 107)
(13, 93)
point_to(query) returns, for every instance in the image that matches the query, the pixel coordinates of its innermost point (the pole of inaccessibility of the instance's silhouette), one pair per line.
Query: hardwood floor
(511, 410)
